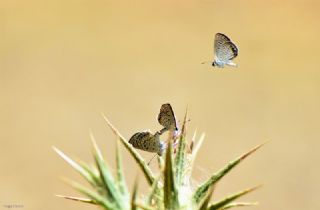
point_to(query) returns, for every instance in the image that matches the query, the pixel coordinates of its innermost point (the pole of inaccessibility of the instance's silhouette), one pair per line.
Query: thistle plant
(169, 189)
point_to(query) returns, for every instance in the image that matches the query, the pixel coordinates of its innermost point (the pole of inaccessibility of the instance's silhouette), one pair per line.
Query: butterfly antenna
(151, 159)
(206, 62)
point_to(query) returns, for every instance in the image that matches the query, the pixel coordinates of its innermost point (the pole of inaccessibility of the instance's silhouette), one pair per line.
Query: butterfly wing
(166, 117)
(219, 40)
(224, 49)
(146, 141)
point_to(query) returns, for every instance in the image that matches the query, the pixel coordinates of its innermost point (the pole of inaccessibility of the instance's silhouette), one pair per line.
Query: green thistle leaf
(231, 205)
(154, 191)
(180, 157)
(229, 199)
(206, 200)
(134, 196)
(196, 148)
(170, 191)
(137, 157)
(100, 200)
(84, 200)
(120, 178)
(106, 176)
(202, 190)
(84, 172)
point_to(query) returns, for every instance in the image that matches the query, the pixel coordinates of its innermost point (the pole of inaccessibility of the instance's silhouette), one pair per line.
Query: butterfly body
(224, 51)
(221, 64)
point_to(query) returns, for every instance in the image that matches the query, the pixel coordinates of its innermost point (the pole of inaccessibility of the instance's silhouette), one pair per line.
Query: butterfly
(147, 141)
(167, 119)
(224, 51)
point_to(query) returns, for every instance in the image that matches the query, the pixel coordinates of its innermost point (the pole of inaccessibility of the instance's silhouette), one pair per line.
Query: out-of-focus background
(62, 63)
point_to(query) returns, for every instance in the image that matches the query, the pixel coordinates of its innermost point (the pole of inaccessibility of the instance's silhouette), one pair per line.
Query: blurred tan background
(62, 63)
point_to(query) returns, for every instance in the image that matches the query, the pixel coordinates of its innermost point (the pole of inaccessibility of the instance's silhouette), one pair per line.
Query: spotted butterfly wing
(224, 49)
(166, 118)
(147, 141)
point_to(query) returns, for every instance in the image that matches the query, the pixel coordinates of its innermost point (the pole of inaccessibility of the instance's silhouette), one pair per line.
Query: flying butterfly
(147, 141)
(167, 119)
(224, 51)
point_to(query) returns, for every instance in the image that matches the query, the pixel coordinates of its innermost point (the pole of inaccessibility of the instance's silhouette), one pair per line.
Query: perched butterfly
(167, 119)
(224, 51)
(147, 141)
